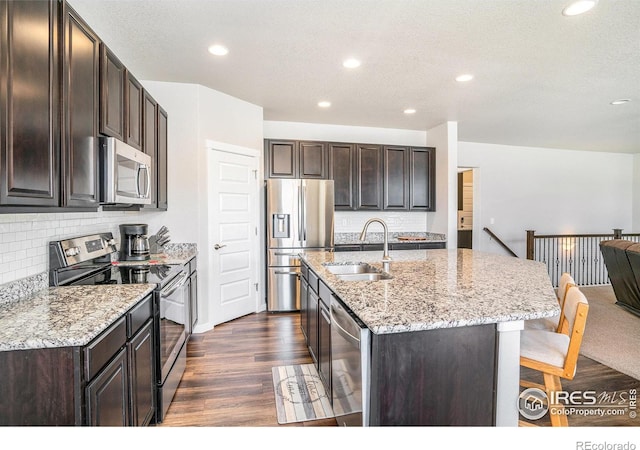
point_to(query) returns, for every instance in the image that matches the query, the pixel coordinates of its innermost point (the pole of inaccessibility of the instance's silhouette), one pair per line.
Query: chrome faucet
(385, 250)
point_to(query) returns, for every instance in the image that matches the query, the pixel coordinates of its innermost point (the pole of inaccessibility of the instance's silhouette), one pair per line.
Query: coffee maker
(134, 243)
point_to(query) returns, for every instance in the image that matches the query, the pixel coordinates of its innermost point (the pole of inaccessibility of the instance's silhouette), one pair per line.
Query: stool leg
(552, 384)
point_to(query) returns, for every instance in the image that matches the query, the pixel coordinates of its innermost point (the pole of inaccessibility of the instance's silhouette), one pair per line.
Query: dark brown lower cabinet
(108, 382)
(312, 322)
(434, 377)
(108, 394)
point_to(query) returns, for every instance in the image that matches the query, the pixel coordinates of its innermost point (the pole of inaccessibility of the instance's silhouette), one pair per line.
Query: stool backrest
(576, 309)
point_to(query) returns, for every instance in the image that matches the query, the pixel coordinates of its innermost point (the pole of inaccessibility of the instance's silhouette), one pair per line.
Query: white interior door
(233, 236)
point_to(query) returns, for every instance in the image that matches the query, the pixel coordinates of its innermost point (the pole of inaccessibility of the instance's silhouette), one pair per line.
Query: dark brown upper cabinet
(281, 159)
(396, 178)
(150, 142)
(342, 163)
(29, 104)
(81, 110)
(162, 189)
(296, 159)
(422, 179)
(313, 162)
(369, 176)
(365, 176)
(113, 80)
(133, 111)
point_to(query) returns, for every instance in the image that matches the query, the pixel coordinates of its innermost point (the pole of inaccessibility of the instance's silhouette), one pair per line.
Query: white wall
(636, 193)
(547, 190)
(198, 114)
(353, 221)
(444, 138)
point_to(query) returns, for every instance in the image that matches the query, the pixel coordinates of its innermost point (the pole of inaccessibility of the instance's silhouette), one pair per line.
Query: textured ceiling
(541, 79)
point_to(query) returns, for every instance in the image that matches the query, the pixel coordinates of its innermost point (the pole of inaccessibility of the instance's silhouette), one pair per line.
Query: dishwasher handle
(338, 317)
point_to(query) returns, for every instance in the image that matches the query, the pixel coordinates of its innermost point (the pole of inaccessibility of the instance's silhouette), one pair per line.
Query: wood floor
(228, 382)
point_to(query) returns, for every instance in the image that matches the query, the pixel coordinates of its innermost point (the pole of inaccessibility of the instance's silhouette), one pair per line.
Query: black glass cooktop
(128, 274)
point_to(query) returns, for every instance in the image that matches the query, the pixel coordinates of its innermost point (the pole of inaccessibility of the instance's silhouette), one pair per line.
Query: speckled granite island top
(65, 316)
(441, 289)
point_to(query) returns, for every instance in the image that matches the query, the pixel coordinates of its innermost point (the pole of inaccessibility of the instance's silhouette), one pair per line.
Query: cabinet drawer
(101, 350)
(138, 315)
(193, 265)
(313, 281)
(325, 294)
(304, 270)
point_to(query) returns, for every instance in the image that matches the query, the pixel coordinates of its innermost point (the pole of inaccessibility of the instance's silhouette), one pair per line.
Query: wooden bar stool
(552, 323)
(554, 353)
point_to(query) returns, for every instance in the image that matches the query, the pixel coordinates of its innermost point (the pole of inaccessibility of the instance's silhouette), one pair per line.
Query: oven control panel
(68, 252)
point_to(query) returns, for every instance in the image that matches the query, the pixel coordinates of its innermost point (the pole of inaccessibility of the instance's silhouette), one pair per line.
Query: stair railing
(499, 241)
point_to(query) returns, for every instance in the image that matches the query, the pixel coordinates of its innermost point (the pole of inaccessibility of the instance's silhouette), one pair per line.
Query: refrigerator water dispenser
(280, 226)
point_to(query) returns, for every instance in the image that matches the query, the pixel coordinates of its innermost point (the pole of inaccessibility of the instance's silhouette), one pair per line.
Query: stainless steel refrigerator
(299, 218)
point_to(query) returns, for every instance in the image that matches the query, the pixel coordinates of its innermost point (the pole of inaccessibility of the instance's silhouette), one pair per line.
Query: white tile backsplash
(24, 238)
(353, 221)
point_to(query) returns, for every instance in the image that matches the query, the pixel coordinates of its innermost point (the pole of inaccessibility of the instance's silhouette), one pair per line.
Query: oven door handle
(174, 286)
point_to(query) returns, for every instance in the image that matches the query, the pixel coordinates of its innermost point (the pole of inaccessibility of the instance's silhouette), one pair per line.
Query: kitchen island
(445, 331)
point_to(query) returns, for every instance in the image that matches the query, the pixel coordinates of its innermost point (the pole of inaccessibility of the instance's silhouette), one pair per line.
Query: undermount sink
(355, 268)
(358, 271)
(364, 276)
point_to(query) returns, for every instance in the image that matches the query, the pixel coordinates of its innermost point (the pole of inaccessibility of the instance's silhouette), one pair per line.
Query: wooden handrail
(502, 244)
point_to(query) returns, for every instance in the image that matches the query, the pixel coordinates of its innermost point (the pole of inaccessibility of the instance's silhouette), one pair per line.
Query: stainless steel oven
(172, 336)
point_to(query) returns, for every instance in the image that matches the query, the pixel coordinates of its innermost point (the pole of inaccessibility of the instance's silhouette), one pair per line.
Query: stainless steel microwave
(125, 173)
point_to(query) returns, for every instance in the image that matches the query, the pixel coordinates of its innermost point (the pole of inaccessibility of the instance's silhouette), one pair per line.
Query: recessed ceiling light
(621, 101)
(409, 111)
(579, 7)
(218, 50)
(465, 77)
(351, 63)
(324, 104)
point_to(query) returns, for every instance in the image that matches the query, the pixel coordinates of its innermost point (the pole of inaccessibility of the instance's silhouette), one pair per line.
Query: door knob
(218, 246)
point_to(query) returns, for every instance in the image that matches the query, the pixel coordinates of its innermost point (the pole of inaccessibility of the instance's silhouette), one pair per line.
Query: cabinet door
(142, 376)
(282, 159)
(133, 111)
(112, 86)
(324, 346)
(342, 159)
(396, 178)
(313, 160)
(304, 309)
(29, 103)
(81, 89)
(163, 202)
(422, 179)
(369, 176)
(149, 143)
(193, 294)
(108, 394)
(312, 321)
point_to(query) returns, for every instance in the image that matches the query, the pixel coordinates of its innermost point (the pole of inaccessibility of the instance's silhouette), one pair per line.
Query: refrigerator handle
(300, 214)
(304, 213)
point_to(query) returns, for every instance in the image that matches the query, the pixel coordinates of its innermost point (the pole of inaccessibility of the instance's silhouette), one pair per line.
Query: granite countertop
(441, 289)
(65, 316)
(378, 237)
(179, 253)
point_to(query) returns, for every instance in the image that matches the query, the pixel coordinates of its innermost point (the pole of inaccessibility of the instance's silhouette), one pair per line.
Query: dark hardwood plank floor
(228, 383)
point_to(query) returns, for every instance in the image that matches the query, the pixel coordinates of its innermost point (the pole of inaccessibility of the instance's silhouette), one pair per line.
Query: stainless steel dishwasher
(350, 353)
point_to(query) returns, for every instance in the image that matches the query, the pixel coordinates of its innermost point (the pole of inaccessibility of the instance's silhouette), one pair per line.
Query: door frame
(217, 146)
